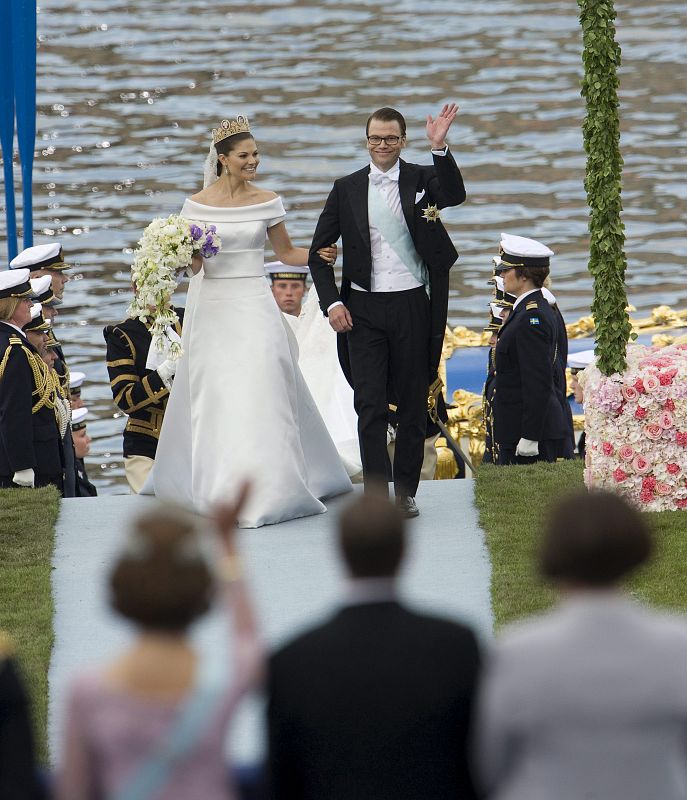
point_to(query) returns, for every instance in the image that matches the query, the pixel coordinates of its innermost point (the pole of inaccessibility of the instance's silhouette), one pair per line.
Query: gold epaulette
(6, 645)
(46, 389)
(531, 306)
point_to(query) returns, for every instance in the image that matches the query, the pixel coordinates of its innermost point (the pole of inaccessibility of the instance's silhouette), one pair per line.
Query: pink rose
(607, 448)
(646, 497)
(666, 420)
(626, 452)
(619, 476)
(664, 489)
(639, 386)
(666, 378)
(648, 483)
(682, 503)
(629, 393)
(651, 383)
(640, 412)
(669, 405)
(673, 468)
(641, 465)
(681, 438)
(653, 431)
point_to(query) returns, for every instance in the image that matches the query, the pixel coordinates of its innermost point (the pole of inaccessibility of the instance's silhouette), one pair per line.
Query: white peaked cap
(10, 279)
(274, 268)
(549, 296)
(36, 255)
(78, 415)
(581, 360)
(76, 379)
(40, 284)
(522, 246)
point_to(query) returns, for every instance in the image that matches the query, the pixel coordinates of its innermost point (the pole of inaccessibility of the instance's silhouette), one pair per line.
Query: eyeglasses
(392, 141)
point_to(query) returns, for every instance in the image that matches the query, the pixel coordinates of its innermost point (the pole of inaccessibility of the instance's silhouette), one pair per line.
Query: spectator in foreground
(18, 777)
(589, 700)
(152, 723)
(375, 703)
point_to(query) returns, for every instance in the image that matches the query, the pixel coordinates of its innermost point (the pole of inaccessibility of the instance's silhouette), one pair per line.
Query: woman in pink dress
(152, 723)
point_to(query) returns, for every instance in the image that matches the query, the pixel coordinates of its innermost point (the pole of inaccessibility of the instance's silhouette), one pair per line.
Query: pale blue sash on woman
(191, 723)
(397, 235)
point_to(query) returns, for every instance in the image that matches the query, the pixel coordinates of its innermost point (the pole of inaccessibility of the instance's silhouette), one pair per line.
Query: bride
(239, 405)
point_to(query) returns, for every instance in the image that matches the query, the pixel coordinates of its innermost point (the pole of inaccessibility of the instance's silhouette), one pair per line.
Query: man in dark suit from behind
(375, 703)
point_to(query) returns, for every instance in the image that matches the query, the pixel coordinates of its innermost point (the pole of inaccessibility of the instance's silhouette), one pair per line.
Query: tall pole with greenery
(601, 129)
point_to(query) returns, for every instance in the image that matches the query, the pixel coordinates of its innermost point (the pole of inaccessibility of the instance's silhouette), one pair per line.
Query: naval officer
(529, 424)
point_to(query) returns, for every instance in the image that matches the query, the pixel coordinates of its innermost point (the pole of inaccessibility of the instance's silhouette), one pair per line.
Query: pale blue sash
(193, 718)
(396, 233)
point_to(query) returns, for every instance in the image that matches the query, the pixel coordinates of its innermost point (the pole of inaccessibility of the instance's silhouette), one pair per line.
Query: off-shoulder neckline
(234, 208)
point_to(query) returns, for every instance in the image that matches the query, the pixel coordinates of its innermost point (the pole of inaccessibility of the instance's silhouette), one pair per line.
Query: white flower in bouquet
(165, 249)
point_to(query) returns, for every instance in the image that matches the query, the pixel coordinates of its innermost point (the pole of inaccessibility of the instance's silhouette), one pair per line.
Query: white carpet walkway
(294, 574)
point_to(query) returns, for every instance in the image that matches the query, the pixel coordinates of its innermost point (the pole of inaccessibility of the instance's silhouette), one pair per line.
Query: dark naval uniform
(29, 432)
(490, 456)
(568, 444)
(139, 392)
(525, 402)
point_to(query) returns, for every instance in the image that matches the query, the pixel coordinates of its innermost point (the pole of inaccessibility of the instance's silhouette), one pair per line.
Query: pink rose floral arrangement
(636, 428)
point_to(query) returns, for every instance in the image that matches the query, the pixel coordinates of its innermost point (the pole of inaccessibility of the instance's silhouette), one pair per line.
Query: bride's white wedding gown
(239, 406)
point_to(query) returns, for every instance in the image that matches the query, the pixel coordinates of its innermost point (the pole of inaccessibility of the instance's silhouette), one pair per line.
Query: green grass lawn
(512, 502)
(27, 529)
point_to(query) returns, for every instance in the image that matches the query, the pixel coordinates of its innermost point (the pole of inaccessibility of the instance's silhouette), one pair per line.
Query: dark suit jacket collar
(364, 609)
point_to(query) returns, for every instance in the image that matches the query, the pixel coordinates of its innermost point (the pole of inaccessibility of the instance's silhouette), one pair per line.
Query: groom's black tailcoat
(375, 704)
(345, 216)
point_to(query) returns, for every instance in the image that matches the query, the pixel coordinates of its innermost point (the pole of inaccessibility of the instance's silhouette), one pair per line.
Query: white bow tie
(379, 178)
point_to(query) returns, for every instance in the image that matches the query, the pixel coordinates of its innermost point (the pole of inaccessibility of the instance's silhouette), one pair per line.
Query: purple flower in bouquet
(196, 232)
(208, 244)
(209, 248)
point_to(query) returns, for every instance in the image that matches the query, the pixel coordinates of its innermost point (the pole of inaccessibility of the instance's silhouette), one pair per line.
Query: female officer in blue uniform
(529, 424)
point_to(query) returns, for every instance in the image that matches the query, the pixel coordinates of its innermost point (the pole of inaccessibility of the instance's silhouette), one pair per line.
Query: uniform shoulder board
(532, 306)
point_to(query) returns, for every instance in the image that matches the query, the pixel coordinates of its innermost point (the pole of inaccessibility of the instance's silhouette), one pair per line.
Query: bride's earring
(226, 170)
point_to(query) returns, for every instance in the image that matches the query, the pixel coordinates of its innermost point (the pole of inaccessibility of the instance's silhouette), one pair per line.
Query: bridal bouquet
(166, 247)
(637, 428)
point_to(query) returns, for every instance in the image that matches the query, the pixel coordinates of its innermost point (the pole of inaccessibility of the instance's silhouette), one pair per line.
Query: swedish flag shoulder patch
(534, 320)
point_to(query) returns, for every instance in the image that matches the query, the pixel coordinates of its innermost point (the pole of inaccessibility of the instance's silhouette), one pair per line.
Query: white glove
(24, 477)
(527, 448)
(166, 371)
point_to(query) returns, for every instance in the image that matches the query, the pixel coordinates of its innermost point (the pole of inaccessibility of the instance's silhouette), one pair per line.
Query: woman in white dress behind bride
(239, 405)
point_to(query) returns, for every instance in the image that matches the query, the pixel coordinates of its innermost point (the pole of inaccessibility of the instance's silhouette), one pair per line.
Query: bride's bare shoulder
(263, 195)
(202, 195)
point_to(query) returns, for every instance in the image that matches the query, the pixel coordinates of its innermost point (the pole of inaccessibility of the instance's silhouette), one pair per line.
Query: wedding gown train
(239, 406)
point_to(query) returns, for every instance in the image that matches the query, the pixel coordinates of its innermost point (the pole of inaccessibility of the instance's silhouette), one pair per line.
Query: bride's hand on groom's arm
(329, 254)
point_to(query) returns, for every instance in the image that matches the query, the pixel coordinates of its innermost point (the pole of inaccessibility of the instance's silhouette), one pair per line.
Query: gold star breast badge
(431, 213)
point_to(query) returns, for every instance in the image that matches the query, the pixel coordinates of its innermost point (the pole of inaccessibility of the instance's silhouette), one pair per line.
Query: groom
(391, 310)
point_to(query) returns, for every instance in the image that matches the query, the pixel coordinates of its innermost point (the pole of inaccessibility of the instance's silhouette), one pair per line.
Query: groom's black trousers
(388, 347)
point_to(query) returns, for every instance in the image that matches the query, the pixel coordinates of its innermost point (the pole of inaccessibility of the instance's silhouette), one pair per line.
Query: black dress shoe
(407, 506)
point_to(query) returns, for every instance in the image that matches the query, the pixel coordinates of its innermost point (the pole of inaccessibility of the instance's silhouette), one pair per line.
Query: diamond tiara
(230, 127)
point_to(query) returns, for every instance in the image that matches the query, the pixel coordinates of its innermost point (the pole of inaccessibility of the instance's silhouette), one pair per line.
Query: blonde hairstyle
(8, 305)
